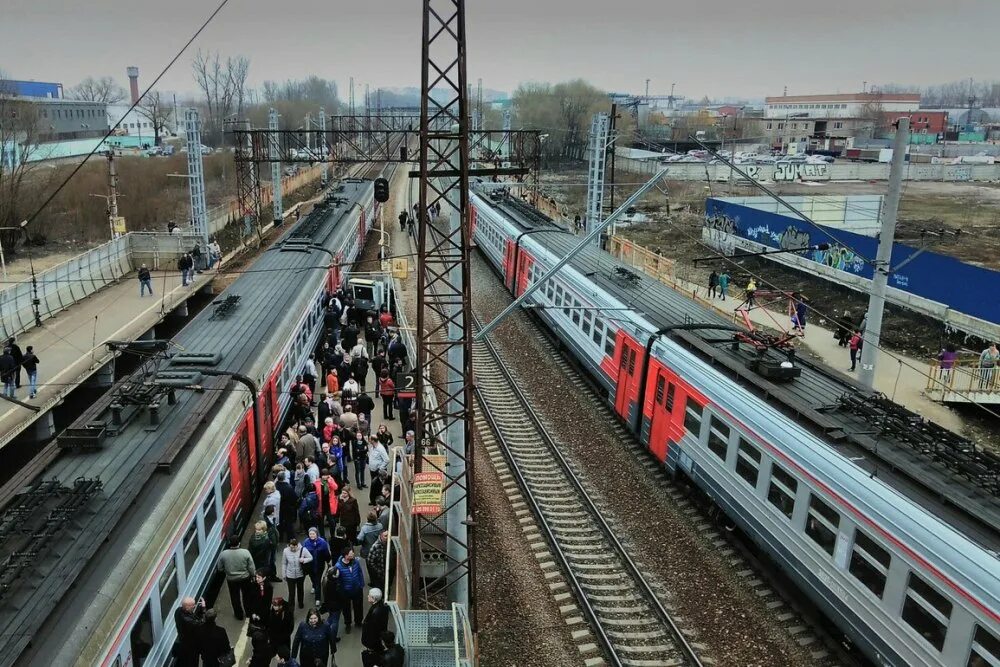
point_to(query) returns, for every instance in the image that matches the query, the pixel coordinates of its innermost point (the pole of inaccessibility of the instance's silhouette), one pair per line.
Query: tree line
(952, 94)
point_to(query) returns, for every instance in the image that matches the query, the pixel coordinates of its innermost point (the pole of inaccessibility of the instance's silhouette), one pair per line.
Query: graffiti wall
(963, 287)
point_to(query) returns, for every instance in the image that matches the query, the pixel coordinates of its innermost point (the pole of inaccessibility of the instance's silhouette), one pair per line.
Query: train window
(191, 548)
(227, 483)
(586, 327)
(669, 402)
(822, 524)
(631, 362)
(141, 637)
(926, 611)
(781, 492)
(718, 437)
(748, 462)
(549, 291)
(658, 399)
(692, 418)
(211, 514)
(985, 649)
(598, 332)
(576, 317)
(609, 343)
(169, 589)
(869, 563)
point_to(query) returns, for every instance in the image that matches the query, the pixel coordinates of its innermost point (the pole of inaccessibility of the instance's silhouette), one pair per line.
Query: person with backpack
(30, 364)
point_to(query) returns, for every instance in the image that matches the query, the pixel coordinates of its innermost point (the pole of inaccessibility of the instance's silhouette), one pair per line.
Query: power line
(111, 131)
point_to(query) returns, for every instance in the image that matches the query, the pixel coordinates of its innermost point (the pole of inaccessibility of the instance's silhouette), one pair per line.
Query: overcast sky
(726, 47)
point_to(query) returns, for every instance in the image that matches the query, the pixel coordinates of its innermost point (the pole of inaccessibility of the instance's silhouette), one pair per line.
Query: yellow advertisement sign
(118, 225)
(400, 268)
(428, 492)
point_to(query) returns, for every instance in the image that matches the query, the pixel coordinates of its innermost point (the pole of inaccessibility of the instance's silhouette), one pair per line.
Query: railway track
(633, 626)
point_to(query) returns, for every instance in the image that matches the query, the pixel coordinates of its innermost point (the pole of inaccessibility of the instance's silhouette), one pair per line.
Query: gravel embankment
(729, 619)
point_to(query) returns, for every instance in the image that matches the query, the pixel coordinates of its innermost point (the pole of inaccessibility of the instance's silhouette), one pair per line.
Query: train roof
(908, 452)
(50, 530)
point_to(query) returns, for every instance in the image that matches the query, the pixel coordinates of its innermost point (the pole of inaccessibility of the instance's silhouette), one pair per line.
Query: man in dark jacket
(288, 506)
(145, 281)
(393, 655)
(184, 265)
(7, 369)
(190, 619)
(15, 351)
(376, 621)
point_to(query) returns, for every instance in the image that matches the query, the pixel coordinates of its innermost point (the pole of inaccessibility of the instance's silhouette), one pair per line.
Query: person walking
(280, 623)
(145, 281)
(376, 563)
(215, 643)
(855, 346)
(713, 284)
(403, 217)
(359, 454)
(30, 364)
(196, 256)
(751, 290)
(184, 265)
(369, 533)
(376, 622)
(295, 562)
(189, 618)
(319, 549)
(723, 284)
(800, 313)
(352, 586)
(237, 564)
(18, 355)
(987, 364)
(214, 253)
(261, 546)
(348, 513)
(313, 642)
(387, 390)
(261, 592)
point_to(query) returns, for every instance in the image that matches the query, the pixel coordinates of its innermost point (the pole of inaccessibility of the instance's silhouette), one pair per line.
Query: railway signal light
(381, 190)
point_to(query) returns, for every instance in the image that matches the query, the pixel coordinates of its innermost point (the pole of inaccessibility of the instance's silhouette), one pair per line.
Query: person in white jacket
(294, 557)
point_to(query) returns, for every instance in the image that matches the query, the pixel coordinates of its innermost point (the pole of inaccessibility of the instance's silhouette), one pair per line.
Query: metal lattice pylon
(248, 181)
(444, 326)
(274, 152)
(196, 175)
(596, 159)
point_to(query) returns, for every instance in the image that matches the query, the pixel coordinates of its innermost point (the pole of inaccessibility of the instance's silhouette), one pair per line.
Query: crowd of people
(310, 534)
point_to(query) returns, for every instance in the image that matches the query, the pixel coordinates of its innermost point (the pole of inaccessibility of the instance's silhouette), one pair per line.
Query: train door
(508, 265)
(523, 271)
(628, 362)
(662, 415)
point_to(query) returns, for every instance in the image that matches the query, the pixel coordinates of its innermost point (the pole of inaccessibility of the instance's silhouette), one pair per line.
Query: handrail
(962, 377)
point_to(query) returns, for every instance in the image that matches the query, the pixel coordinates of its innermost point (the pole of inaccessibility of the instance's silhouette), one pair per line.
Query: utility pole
(112, 193)
(325, 173)
(647, 90)
(613, 140)
(308, 126)
(883, 267)
(597, 159)
(196, 175)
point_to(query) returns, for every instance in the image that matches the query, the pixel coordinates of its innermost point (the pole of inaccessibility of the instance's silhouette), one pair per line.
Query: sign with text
(400, 268)
(428, 493)
(406, 385)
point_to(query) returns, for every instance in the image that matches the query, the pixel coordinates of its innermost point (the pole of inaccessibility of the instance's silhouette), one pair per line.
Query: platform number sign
(406, 385)
(381, 190)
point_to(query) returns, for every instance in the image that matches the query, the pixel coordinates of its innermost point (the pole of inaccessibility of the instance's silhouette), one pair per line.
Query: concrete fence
(846, 171)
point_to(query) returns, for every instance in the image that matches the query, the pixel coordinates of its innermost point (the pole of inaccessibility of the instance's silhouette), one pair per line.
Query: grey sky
(727, 47)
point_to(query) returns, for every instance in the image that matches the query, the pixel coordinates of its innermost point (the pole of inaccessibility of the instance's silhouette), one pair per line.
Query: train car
(132, 514)
(910, 580)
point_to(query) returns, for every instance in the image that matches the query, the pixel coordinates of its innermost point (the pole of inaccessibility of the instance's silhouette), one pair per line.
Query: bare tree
(19, 140)
(223, 85)
(157, 111)
(98, 90)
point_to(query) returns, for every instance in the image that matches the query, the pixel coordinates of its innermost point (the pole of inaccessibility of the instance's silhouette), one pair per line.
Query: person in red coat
(326, 491)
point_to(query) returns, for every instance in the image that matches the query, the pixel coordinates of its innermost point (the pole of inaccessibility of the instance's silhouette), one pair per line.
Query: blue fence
(962, 287)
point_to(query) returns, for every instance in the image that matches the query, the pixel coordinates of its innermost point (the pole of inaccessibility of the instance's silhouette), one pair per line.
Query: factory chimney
(133, 82)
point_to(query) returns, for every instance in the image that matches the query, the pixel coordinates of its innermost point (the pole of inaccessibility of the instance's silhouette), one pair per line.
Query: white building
(135, 124)
(850, 105)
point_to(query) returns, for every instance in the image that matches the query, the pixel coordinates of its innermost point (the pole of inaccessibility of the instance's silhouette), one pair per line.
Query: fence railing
(962, 377)
(62, 285)
(160, 250)
(633, 254)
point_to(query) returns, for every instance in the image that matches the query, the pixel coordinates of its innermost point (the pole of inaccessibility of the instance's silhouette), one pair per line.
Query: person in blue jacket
(314, 641)
(352, 587)
(320, 551)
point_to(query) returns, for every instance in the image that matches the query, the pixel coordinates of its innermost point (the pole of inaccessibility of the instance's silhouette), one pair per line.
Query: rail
(615, 643)
(962, 377)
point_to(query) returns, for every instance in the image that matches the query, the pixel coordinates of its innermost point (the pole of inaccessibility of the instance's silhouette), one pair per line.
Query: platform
(70, 345)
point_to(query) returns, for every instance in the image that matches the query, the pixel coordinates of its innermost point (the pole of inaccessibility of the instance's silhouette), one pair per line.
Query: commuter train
(907, 587)
(147, 539)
